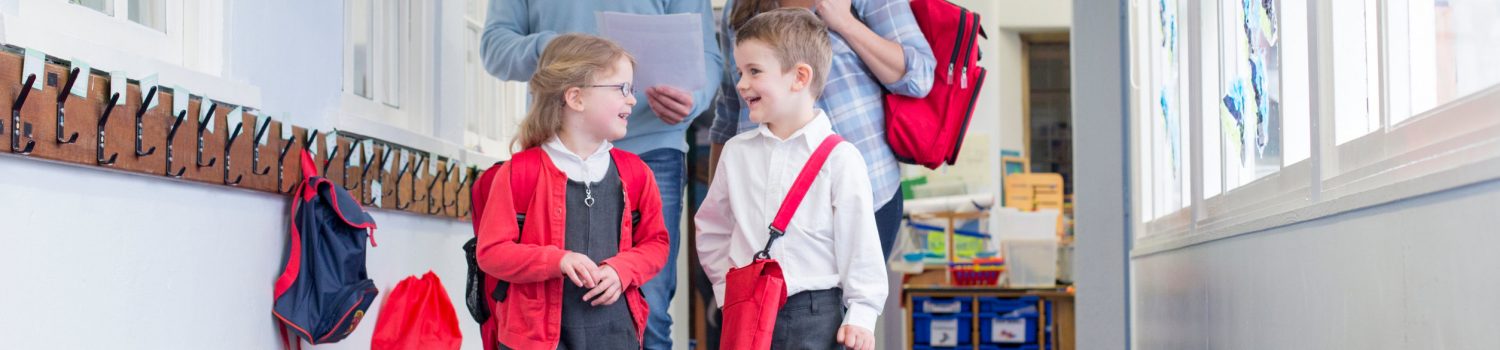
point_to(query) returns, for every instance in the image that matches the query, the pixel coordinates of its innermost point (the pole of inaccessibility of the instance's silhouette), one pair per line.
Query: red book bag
(929, 131)
(755, 293)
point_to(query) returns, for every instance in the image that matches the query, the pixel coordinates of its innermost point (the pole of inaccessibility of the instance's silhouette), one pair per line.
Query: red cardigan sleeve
(499, 254)
(648, 252)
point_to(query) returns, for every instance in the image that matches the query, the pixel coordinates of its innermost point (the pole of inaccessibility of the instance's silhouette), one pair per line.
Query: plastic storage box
(938, 305)
(942, 329)
(1030, 263)
(1008, 321)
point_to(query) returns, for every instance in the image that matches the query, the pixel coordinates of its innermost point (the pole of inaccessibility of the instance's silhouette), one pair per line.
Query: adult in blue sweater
(515, 33)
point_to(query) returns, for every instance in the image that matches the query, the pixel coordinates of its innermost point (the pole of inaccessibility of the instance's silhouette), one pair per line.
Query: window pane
(1451, 47)
(1296, 106)
(1168, 129)
(1209, 104)
(104, 6)
(393, 28)
(1250, 96)
(1356, 64)
(359, 26)
(149, 13)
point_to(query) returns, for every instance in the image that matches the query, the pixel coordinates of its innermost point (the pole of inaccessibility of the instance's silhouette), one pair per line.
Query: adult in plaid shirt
(877, 48)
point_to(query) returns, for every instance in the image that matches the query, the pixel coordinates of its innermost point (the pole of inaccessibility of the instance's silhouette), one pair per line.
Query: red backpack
(928, 131)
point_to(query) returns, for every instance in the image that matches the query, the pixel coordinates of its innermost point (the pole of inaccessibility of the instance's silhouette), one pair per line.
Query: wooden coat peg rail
(209, 142)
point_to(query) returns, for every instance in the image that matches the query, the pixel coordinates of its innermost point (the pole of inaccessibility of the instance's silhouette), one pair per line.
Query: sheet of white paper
(286, 129)
(331, 142)
(180, 97)
(375, 192)
(117, 84)
(81, 86)
(146, 84)
(257, 129)
(668, 49)
(203, 116)
(236, 119)
(34, 63)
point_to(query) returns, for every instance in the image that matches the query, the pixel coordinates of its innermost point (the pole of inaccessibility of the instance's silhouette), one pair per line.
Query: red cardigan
(531, 315)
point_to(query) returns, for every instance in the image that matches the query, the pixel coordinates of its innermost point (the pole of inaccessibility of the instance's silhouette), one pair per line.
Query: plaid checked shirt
(853, 97)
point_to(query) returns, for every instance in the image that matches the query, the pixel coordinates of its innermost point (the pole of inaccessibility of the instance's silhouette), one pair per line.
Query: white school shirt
(577, 168)
(830, 242)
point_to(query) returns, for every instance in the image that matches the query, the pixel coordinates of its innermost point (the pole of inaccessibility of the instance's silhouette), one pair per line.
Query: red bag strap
(798, 191)
(524, 168)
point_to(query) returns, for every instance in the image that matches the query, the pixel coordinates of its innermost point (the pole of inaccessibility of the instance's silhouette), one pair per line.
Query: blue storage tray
(1005, 305)
(922, 327)
(936, 305)
(997, 347)
(1027, 335)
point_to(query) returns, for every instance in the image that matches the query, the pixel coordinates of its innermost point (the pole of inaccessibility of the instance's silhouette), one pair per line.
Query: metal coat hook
(384, 156)
(281, 162)
(420, 167)
(172, 134)
(311, 135)
(413, 169)
(62, 98)
(332, 153)
(202, 124)
(104, 119)
(446, 174)
(352, 147)
(255, 148)
(396, 186)
(139, 128)
(468, 183)
(16, 126)
(228, 145)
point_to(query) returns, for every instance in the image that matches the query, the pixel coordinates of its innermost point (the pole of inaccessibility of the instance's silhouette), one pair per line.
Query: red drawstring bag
(417, 315)
(754, 293)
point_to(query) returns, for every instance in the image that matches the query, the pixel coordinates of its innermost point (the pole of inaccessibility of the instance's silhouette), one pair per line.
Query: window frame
(402, 94)
(1457, 143)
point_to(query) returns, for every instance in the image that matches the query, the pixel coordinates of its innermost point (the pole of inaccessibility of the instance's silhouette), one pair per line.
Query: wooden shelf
(1061, 323)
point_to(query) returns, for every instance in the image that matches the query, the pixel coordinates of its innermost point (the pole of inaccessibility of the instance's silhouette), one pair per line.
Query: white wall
(101, 259)
(1413, 274)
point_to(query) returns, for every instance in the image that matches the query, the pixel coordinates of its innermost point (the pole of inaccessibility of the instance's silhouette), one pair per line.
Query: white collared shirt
(831, 240)
(577, 168)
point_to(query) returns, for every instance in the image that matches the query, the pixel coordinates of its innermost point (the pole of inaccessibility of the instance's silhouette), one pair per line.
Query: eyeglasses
(626, 89)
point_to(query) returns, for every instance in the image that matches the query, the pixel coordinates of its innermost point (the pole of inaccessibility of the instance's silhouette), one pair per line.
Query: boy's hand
(671, 104)
(836, 13)
(856, 337)
(607, 290)
(580, 269)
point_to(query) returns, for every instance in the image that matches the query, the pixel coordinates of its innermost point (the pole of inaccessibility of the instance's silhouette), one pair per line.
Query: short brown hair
(797, 36)
(568, 61)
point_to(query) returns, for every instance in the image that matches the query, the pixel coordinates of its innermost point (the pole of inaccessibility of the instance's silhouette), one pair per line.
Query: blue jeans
(888, 222)
(669, 165)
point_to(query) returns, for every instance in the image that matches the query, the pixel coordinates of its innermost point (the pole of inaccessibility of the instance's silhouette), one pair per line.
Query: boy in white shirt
(830, 254)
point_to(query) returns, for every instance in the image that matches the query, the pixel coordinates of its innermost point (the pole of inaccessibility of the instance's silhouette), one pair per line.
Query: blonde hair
(797, 36)
(569, 61)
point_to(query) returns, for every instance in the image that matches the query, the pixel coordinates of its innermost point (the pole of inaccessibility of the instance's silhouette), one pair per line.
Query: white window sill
(352, 118)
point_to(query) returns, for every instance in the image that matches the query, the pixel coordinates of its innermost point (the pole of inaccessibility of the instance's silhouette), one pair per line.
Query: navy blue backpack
(324, 290)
